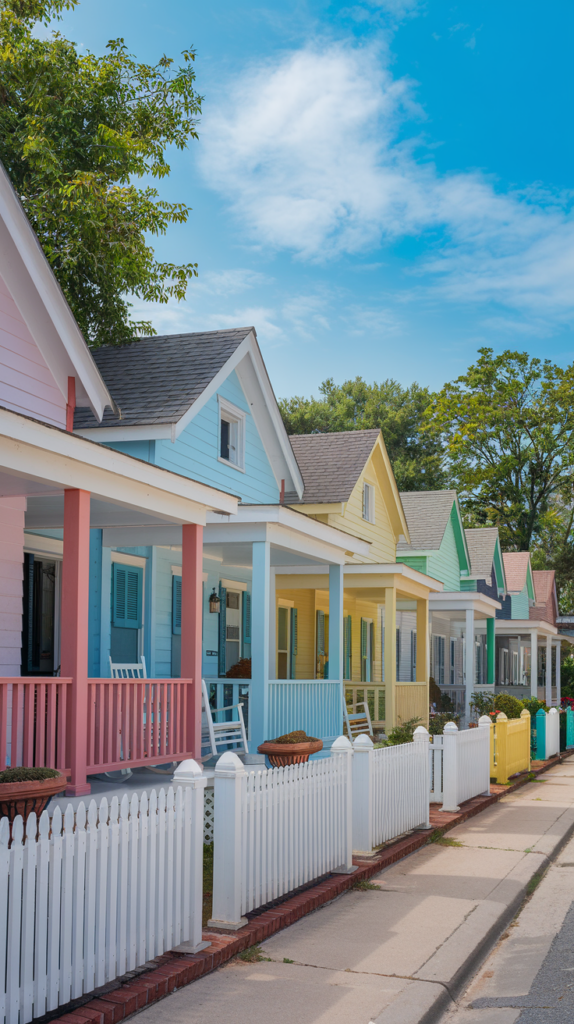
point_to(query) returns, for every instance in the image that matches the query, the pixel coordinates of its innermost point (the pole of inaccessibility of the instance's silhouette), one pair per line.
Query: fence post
(484, 722)
(363, 794)
(540, 735)
(343, 748)
(189, 776)
(450, 767)
(422, 740)
(501, 748)
(553, 734)
(526, 714)
(227, 848)
(569, 727)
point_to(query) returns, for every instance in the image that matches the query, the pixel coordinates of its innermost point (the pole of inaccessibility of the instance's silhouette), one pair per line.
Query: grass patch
(253, 955)
(286, 960)
(363, 886)
(440, 839)
(533, 883)
(532, 778)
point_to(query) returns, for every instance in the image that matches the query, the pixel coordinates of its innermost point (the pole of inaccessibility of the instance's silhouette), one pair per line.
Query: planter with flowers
(293, 748)
(23, 790)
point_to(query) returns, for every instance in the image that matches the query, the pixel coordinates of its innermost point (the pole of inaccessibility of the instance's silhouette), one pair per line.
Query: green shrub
(533, 705)
(28, 774)
(482, 703)
(438, 722)
(402, 733)
(299, 736)
(446, 703)
(511, 706)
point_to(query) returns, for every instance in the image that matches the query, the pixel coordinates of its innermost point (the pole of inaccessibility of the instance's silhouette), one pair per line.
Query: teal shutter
(221, 659)
(176, 604)
(347, 646)
(293, 654)
(320, 634)
(127, 586)
(372, 632)
(246, 620)
(364, 625)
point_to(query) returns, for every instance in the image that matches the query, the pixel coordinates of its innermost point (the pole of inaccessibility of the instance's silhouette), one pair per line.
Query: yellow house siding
(306, 602)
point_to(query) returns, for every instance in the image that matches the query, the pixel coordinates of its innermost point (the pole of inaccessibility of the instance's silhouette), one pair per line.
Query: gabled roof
(518, 572)
(483, 544)
(332, 463)
(546, 605)
(161, 383)
(43, 306)
(156, 380)
(428, 514)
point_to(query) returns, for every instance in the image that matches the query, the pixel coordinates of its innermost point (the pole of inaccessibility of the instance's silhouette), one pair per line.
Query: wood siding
(26, 384)
(12, 512)
(519, 604)
(444, 564)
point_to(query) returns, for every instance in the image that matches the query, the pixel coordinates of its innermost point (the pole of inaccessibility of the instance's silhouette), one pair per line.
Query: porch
(463, 645)
(528, 659)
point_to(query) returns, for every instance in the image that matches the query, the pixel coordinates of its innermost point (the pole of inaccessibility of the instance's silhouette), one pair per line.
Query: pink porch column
(74, 631)
(191, 614)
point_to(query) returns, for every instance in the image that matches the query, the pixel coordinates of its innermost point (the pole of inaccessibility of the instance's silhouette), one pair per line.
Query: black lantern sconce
(214, 602)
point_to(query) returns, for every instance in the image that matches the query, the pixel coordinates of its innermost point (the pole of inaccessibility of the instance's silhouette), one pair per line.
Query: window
(369, 503)
(231, 434)
(438, 659)
(453, 660)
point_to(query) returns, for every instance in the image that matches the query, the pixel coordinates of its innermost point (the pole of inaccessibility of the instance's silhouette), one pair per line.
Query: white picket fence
(390, 790)
(277, 829)
(87, 897)
(459, 763)
(552, 732)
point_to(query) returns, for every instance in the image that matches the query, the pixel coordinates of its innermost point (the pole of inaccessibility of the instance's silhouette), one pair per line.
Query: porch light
(214, 602)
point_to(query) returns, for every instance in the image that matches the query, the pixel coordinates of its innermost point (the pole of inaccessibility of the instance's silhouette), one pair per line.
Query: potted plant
(23, 790)
(293, 748)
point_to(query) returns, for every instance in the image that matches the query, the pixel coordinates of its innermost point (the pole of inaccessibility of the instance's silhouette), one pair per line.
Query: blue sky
(380, 187)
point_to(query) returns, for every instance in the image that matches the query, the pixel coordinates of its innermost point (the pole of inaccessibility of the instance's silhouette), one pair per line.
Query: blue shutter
(221, 660)
(320, 634)
(293, 643)
(176, 604)
(127, 586)
(246, 619)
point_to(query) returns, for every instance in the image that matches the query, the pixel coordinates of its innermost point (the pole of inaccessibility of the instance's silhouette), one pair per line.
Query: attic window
(231, 435)
(369, 503)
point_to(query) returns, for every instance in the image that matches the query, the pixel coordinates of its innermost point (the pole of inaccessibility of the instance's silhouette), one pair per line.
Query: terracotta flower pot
(25, 797)
(281, 754)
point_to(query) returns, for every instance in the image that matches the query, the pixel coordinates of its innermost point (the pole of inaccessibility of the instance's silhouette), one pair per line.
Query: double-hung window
(231, 434)
(368, 503)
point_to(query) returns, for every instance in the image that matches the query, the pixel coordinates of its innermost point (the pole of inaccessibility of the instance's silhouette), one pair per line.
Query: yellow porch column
(390, 658)
(422, 673)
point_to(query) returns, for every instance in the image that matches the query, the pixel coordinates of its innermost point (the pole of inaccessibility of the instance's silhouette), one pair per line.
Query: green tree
(416, 457)
(554, 549)
(507, 424)
(77, 135)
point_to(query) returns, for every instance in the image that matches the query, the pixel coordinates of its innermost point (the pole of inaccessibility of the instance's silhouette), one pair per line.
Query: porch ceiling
(47, 513)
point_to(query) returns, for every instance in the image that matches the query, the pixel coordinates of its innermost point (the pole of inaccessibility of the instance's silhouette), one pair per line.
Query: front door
(39, 620)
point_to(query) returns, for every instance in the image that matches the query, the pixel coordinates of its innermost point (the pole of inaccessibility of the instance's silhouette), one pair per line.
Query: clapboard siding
(444, 564)
(12, 512)
(519, 604)
(26, 383)
(195, 452)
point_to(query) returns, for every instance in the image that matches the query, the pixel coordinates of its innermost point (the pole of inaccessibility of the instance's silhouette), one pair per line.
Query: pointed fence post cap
(420, 733)
(553, 711)
(501, 717)
(186, 772)
(362, 742)
(341, 746)
(525, 713)
(484, 720)
(229, 764)
(540, 712)
(450, 727)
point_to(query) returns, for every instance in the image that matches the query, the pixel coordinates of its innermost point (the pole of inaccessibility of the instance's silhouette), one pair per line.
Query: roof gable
(43, 309)
(546, 602)
(428, 514)
(518, 572)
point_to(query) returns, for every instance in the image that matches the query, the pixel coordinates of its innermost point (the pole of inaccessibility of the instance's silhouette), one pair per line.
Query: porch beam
(74, 630)
(260, 604)
(191, 622)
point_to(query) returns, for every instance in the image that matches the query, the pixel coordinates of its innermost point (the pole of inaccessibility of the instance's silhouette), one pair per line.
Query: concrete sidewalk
(401, 952)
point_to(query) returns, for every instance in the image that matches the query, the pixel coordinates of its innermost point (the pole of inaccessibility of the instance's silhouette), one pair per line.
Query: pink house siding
(12, 511)
(26, 383)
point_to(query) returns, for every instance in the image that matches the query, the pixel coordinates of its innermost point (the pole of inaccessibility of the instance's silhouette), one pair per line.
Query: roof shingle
(545, 591)
(515, 570)
(156, 380)
(427, 514)
(481, 544)
(331, 464)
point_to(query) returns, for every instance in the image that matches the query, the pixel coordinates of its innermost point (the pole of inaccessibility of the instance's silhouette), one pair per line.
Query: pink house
(78, 725)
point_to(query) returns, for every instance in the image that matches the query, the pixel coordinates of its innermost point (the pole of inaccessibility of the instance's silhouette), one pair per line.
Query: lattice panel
(208, 813)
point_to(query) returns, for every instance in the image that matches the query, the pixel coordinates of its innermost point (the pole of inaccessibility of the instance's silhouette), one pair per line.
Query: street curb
(172, 971)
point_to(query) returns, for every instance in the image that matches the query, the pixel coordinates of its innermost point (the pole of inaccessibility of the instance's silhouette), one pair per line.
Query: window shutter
(127, 585)
(221, 659)
(372, 638)
(398, 652)
(364, 625)
(413, 655)
(246, 621)
(320, 634)
(176, 604)
(347, 643)
(294, 636)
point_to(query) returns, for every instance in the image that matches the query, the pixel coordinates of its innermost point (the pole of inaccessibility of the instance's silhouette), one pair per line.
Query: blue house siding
(195, 452)
(520, 606)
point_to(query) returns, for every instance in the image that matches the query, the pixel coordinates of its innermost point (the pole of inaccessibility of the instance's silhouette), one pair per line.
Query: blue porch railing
(314, 705)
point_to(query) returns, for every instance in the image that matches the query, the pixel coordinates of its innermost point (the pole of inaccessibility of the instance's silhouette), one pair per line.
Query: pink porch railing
(130, 722)
(33, 721)
(135, 722)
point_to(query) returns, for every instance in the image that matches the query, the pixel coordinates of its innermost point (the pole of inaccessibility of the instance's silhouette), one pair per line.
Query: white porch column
(548, 697)
(336, 590)
(260, 602)
(558, 690)
(470, 662)
(533, 663)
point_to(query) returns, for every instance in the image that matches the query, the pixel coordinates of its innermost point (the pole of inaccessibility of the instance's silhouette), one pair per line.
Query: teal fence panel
(569, 727)
(539, 743)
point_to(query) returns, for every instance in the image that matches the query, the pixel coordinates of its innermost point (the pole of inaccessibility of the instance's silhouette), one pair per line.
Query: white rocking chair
(219, 735)
(358, 722)
(128, 670)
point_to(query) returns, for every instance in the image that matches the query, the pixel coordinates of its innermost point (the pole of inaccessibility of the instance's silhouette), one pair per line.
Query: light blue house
(202, 406)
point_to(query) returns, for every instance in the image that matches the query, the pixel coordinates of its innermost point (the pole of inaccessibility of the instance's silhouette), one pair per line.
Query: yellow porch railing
(373, 694)
(509, 746)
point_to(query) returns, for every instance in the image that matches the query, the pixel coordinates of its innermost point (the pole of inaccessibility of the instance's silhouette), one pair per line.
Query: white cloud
(308, 153)
(228, 282)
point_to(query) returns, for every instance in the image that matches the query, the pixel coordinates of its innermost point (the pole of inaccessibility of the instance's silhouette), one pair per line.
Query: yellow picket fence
(509, 746)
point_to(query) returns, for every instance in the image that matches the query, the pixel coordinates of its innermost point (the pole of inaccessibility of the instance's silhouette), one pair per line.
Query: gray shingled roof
(156, 380)
(331, 464)
(427, 514)
(481, 544)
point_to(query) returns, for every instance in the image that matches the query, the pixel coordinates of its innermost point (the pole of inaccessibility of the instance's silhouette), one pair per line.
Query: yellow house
(349, 484)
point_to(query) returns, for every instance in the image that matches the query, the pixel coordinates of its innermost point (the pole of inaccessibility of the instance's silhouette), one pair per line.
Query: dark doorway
(38, 629)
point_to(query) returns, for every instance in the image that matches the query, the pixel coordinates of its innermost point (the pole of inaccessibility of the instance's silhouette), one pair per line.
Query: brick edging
(172, 971)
